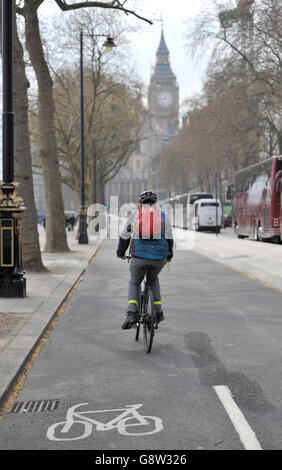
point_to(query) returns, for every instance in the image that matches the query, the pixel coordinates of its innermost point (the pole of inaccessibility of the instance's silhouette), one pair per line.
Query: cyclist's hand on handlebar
(169, 260)
(122, 257)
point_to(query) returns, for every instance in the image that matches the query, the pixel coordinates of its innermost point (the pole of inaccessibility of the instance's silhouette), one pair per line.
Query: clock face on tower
(164, 98)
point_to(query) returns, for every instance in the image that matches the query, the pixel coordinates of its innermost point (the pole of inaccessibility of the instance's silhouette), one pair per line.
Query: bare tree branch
(113, 5)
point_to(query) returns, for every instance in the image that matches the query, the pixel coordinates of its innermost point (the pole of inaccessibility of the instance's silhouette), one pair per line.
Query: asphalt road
(212, 380)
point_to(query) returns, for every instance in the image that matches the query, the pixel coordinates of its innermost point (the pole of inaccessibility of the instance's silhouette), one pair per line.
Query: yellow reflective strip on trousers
(158, 302)
(132, 302)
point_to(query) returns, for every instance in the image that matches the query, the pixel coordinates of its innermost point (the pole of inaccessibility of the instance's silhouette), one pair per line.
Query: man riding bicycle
(148, 231)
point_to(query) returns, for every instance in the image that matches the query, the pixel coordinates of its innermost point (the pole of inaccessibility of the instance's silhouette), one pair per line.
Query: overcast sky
(144, 43)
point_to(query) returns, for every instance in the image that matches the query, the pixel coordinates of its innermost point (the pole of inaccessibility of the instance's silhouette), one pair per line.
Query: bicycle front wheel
(137, 331)
(149, 321)
(138, 323)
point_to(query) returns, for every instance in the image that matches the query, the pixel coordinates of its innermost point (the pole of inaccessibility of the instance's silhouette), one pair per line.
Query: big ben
(163, 109)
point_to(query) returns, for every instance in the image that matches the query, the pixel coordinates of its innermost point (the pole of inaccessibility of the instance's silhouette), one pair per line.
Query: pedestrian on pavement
(148, 232)
(72, 221)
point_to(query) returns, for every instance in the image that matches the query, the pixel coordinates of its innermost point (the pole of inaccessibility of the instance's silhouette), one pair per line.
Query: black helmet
(148, 197)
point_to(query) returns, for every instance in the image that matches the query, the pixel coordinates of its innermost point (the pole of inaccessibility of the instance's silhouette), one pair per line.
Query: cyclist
(146, 250)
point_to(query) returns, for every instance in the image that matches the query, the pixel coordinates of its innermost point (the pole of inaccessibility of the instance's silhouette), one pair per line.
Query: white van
(208, 215)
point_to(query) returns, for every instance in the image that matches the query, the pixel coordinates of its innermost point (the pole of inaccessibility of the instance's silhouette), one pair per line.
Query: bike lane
(89, 361)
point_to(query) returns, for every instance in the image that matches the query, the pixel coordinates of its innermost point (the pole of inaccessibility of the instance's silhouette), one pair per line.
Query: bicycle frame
(129, 411)
(144, 297)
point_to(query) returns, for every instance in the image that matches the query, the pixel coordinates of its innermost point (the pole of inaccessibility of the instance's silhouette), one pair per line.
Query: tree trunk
(280, 142)
(23, 166)
(56, 239)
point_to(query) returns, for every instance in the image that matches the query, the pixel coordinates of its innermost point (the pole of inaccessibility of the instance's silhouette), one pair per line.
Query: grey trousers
(138, 271)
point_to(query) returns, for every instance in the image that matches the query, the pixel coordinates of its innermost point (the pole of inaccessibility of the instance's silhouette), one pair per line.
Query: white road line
(246, 434)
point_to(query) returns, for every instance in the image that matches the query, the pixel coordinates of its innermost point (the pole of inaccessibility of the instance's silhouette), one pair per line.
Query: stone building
(161, 124)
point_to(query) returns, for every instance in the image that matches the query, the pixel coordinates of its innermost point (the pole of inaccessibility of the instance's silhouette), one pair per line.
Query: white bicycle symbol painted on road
(128, 418)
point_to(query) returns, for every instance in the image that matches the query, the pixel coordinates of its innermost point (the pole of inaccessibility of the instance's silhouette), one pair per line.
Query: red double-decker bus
(256, 200)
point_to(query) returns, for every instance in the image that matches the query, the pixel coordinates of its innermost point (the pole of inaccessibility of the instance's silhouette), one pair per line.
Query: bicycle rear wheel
(149, 321)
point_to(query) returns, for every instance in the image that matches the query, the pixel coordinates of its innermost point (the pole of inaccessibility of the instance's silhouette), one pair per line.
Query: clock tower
(163, 109)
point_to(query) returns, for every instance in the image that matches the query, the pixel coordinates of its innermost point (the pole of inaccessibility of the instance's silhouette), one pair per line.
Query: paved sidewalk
(258, 260)
(23, 321)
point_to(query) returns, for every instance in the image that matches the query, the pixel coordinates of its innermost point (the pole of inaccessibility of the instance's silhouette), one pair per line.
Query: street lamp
(82, 231)
(109, 43)
(12, 282)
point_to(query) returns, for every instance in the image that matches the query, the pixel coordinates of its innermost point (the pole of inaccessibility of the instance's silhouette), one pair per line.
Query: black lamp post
(82, 233)
(82, 230)
(12, 282)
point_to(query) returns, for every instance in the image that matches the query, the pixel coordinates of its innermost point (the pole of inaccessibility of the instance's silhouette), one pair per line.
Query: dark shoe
(130, 320)
(160, 316)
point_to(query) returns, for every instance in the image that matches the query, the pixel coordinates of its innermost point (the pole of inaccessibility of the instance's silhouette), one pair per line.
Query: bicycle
(147, 316)
(129, 422)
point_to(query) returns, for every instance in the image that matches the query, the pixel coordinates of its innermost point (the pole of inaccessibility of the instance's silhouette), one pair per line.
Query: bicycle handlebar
(128, 257)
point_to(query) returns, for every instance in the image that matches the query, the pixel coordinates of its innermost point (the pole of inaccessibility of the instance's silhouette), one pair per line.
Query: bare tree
(55, 225)
(220, 135)
(113, 123)
(23, 168)
(250, 32)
